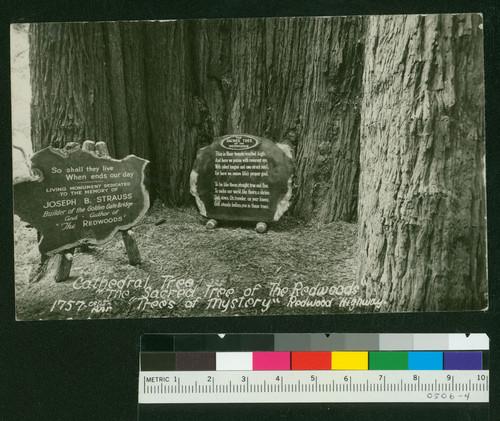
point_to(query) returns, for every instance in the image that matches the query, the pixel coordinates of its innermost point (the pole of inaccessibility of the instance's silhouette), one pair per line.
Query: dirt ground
(187, 270)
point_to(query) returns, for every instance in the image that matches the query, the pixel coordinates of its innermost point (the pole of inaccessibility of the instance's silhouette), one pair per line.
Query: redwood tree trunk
(298, 81)
(161, 90)
(422, 185)
(70, 91)
(88, 82)
(171, 108)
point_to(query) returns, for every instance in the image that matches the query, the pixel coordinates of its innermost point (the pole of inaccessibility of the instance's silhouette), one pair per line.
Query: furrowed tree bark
(422, 186)
(171, 108)
(305, 91)
(88, 82)
(70, 92)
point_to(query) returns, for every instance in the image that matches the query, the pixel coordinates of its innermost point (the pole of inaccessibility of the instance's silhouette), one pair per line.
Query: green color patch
(388, 361)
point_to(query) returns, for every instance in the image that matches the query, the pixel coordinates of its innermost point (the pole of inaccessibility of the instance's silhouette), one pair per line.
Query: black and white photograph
(249, 166)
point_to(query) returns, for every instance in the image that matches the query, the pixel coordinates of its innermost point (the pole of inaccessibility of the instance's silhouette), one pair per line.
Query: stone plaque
(81, 197)
(243, 178)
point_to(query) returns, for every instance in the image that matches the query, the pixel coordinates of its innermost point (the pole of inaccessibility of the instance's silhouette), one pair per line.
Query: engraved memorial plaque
(243, 178)
(81, 197)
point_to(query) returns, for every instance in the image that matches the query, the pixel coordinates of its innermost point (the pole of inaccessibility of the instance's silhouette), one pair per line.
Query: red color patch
(311, 360)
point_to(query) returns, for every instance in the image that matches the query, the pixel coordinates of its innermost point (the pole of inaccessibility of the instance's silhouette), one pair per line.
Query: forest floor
(188, 270)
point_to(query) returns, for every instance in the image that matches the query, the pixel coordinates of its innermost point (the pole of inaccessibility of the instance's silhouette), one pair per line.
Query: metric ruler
(313, 386)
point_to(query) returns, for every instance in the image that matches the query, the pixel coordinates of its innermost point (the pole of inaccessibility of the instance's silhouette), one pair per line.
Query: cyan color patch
(425, 360)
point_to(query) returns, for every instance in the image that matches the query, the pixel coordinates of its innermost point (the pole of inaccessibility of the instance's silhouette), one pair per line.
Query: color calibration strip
(309, 360)
(313, 368)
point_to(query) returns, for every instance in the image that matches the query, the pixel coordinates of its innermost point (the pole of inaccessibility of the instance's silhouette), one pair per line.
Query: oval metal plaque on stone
(243, 178)
(239, 143)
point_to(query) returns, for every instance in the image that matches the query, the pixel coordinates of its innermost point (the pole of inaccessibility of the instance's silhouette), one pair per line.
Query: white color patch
(225, 361)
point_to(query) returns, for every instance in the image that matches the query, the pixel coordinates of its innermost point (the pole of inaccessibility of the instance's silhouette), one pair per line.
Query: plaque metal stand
(211, 224)
(261, 227)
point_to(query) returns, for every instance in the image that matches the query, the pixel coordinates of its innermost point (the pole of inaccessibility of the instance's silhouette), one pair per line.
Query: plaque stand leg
(65, 266)
(261, 227)
(56, 267)
(211, 224)
(133, 253)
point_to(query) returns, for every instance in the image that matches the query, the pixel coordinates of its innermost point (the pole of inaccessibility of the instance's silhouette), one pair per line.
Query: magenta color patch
(271, 361)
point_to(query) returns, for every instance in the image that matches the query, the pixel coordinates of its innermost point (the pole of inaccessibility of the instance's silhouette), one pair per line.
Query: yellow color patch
(349, 360)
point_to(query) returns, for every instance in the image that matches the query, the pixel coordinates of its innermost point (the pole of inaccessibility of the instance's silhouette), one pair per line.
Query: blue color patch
(425, 360)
